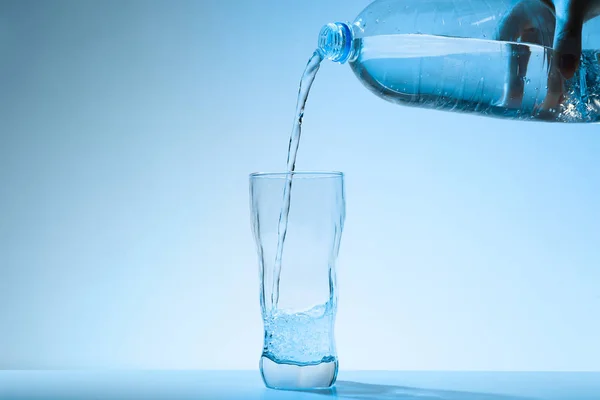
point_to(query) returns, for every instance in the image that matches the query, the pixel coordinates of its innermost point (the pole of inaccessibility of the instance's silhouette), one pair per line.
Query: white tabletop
(215, 385)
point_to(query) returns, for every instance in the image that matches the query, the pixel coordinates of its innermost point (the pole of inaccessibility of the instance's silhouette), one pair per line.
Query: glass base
(288, 376)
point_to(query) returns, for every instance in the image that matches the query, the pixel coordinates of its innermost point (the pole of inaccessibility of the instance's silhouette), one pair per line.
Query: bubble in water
(303, 337)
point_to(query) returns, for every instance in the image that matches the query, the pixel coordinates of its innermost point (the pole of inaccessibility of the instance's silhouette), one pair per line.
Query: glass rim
(300, 174)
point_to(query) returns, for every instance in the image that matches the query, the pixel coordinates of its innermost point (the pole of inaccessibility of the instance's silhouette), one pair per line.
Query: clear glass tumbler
(298, 299)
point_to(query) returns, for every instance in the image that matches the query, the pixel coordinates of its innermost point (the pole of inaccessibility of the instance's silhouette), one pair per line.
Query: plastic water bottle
(491, 58)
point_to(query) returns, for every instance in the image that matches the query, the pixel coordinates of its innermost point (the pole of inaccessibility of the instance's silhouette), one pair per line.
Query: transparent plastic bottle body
(491, 58)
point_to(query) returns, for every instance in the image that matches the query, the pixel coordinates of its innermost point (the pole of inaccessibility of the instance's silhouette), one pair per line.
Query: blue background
(127, 132)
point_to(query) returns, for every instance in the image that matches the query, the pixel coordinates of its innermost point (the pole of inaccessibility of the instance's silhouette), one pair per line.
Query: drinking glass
(298, 295)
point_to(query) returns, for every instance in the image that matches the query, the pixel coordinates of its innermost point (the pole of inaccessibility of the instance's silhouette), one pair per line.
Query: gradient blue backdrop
(128, 129)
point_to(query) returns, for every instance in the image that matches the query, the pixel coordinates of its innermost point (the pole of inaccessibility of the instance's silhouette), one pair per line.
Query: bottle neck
(335, 42)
